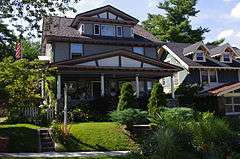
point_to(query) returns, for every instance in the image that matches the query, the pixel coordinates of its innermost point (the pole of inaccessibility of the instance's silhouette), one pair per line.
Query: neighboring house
(98, 50)
(215, 68)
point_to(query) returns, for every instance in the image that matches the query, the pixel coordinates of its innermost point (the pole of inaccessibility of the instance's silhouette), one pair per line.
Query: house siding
(91, 49)
(226, 76)
(88, 29)
(61, 51)
(127, 32)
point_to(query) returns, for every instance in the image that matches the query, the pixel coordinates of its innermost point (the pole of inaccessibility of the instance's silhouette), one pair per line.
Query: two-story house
(98, 50)
(215, 68)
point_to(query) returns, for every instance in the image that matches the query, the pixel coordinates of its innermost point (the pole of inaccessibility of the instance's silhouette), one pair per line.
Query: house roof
(181, 50)
(217, 51)
(193, 48)
(107, 8)
(58, 28)
(223, 89)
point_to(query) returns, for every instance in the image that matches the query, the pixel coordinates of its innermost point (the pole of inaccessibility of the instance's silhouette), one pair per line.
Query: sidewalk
(66, 154)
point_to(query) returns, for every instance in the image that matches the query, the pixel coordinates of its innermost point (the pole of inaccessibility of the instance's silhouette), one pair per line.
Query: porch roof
(223, 89)
(118, 62)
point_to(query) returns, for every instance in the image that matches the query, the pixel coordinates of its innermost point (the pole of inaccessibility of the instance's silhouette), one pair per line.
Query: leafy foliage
(30, 50)
(157, 99)
(130, 117)
(126, 98)
(20, 79)
(175, 26)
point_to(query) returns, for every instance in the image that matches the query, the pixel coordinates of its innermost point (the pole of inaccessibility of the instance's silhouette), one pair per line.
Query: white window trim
(117, 31)
(195, 58)
(99, 29)
(222, 58)
(233, 107)
(82, 29)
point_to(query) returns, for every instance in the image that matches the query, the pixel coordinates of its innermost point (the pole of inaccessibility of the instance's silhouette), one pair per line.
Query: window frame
(117, 27)
(211, 75)
(231, 105)
(80, 53)
(223, 58)
(203, 57)
(94, 29)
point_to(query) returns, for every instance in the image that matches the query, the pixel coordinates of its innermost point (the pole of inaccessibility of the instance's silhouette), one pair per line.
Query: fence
(34, 112)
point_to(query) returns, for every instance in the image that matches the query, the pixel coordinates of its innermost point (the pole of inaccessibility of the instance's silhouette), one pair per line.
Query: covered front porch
(101, 75)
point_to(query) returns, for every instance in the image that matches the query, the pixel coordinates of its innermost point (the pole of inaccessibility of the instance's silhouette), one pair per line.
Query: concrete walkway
(67, 154)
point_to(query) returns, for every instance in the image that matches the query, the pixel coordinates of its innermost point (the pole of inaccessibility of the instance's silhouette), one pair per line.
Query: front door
(96, 89)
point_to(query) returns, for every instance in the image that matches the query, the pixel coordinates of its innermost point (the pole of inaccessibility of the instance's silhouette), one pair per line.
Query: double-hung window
(232, 105)
(204, 74)
(226, 57)
(96, 29)
(76, 50)
(119, 31)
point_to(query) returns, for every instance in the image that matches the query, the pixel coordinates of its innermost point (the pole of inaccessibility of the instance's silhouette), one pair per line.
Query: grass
(97, 136)
(23, 137)
(73, 158)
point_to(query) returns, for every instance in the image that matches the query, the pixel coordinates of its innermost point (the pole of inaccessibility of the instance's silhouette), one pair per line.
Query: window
(119, 31)
(204, 74)
(107, 30)
(199, 56)
(149, 85)
(132, 32)
(96, 29)
(138, 50)
(213, 75)
(232, 105)
(76, 50)
(226, 57)
(81, 29)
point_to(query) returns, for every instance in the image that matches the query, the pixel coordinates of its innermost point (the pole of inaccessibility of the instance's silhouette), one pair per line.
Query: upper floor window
(76, 50)
(138, 50)
(204, 74)
(96, 29)
(119, 31)
(226, 58)
(200, 56)
(213, 75)
(107, 30)
(132, 32)
(81, 29)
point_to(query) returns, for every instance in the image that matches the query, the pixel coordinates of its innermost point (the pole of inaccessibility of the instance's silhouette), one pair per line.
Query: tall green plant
(157, 99)
(126, 98)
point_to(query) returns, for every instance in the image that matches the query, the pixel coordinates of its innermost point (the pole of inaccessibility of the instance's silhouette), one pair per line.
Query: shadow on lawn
(22, 139)
(71, 143)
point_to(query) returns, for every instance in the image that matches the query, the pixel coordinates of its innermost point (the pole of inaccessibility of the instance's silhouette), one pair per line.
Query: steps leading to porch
(46, 142)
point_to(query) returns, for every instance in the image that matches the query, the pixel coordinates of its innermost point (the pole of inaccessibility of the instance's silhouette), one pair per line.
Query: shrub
(58, 133)
(157, 99)
(130, 117)
(126, 98)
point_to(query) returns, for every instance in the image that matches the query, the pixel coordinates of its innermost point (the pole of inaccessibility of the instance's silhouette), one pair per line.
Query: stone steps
(46, 142)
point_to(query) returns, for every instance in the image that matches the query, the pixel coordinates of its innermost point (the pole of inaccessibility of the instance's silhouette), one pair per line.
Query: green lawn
(97, 136)
(23, 137)
(72, 158)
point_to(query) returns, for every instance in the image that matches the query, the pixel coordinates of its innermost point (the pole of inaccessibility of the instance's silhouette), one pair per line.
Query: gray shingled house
(215, 68)
(98, 50)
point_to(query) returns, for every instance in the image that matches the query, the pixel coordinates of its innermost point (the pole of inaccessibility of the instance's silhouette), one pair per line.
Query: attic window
(200, 56)
(119, 31)
(96, 29)
(226, 57)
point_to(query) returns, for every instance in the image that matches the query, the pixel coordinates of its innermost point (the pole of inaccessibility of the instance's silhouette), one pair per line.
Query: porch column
(102, 86)
(172, 87)
(137, 86)
(43, 88)
(58, 87)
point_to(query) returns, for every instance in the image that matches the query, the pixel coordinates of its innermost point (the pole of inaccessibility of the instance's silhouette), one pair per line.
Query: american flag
(18, 50)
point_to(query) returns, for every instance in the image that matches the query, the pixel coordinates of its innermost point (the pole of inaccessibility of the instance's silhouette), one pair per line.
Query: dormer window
(199, 56)
(96, 29)
(226, 57)
(119, 31)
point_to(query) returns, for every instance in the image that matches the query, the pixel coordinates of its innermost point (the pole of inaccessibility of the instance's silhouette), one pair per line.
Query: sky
(222, 17)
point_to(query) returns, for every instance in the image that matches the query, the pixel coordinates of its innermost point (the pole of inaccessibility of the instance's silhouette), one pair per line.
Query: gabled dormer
(106, 21)
(197, 52)
(224, 53)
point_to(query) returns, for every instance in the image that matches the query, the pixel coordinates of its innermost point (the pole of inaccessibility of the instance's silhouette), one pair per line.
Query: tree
(21, 81)
(126, 98)
(157, 99)
(25, 17)
(175, 25)
(217, 42)
(31, 50)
